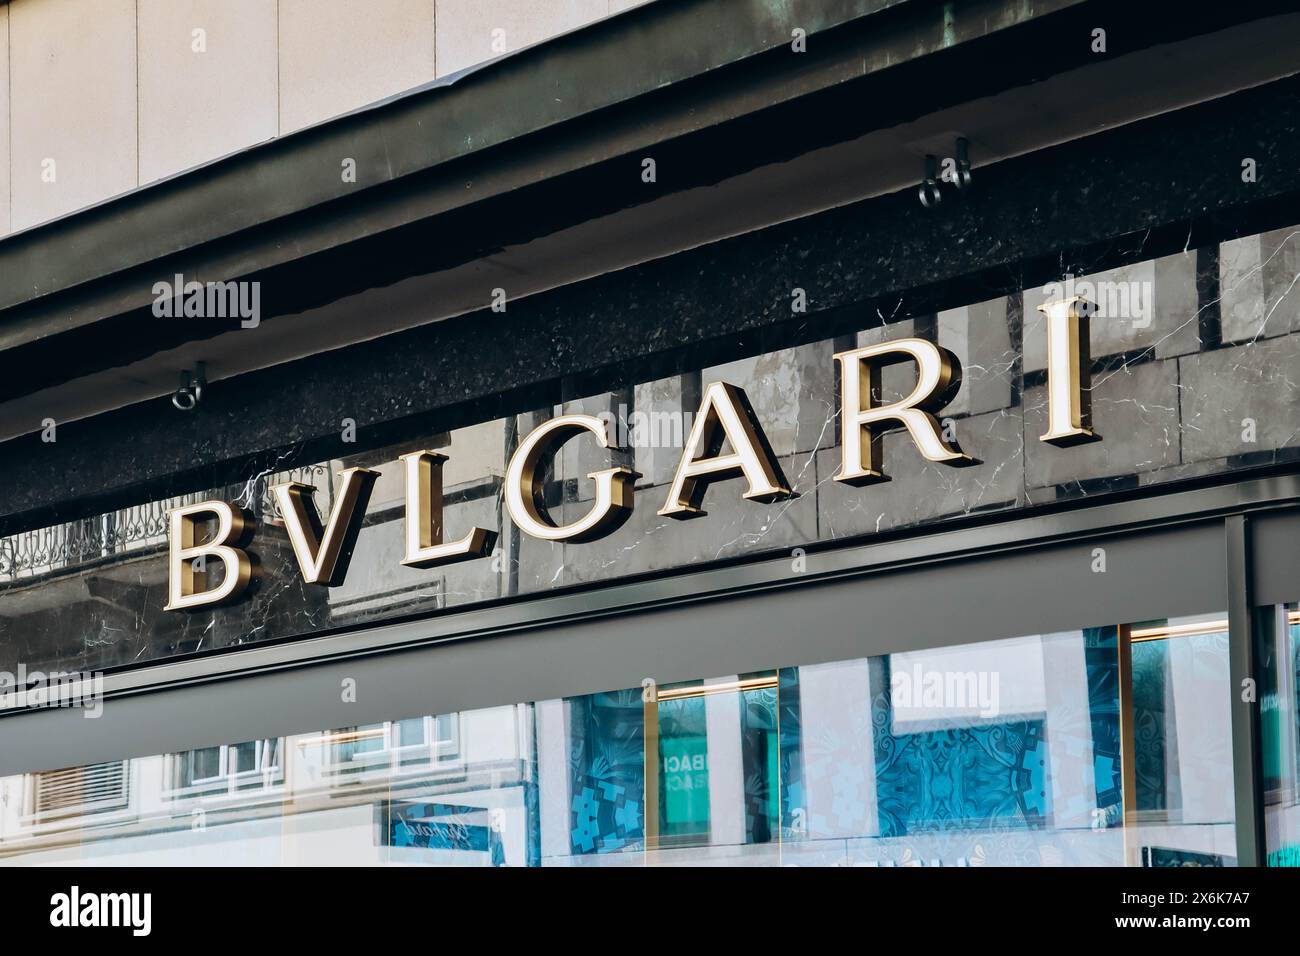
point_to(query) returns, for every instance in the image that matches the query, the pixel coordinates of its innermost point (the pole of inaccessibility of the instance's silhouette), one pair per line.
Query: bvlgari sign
(725, 419)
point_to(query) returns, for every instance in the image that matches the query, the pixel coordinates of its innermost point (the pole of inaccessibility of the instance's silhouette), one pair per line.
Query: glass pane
(684, 771)
(408, 733)
(1183, 744)
(354, 743)
(243, 757)
(271, 754)
(1277, 650)
(603, 798)
(199, 765)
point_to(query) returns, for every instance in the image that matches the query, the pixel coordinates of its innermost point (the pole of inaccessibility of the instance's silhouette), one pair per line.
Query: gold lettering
(725, 415)
(525, 494)
(863, 422)
(1069, 373)
(324, 553)
(424, 528)
(234, 528)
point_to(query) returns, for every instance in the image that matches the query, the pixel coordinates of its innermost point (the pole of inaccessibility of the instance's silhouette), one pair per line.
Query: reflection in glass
(1277, 654)
(1106, 746)
(1182, 743)
(718, 755)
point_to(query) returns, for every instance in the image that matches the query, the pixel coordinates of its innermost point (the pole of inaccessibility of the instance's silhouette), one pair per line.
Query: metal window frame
(1247, 754)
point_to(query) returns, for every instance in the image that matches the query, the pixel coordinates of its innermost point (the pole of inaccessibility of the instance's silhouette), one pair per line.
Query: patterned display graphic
(976, 790)
(607, 771)
(988, 778)
(605, 817)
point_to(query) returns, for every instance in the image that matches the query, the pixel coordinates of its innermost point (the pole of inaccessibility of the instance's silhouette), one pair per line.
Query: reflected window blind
(77, 790)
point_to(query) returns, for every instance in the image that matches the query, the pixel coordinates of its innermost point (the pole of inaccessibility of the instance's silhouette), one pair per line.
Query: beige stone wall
(98, 97)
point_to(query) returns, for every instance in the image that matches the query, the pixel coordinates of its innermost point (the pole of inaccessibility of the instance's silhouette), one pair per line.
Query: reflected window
(228, 769)
(407, 745)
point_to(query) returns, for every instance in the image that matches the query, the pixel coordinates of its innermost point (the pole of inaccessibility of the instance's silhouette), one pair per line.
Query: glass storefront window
(1182, 742)
(718, 763)
(1105, 746)
(1277, 652)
